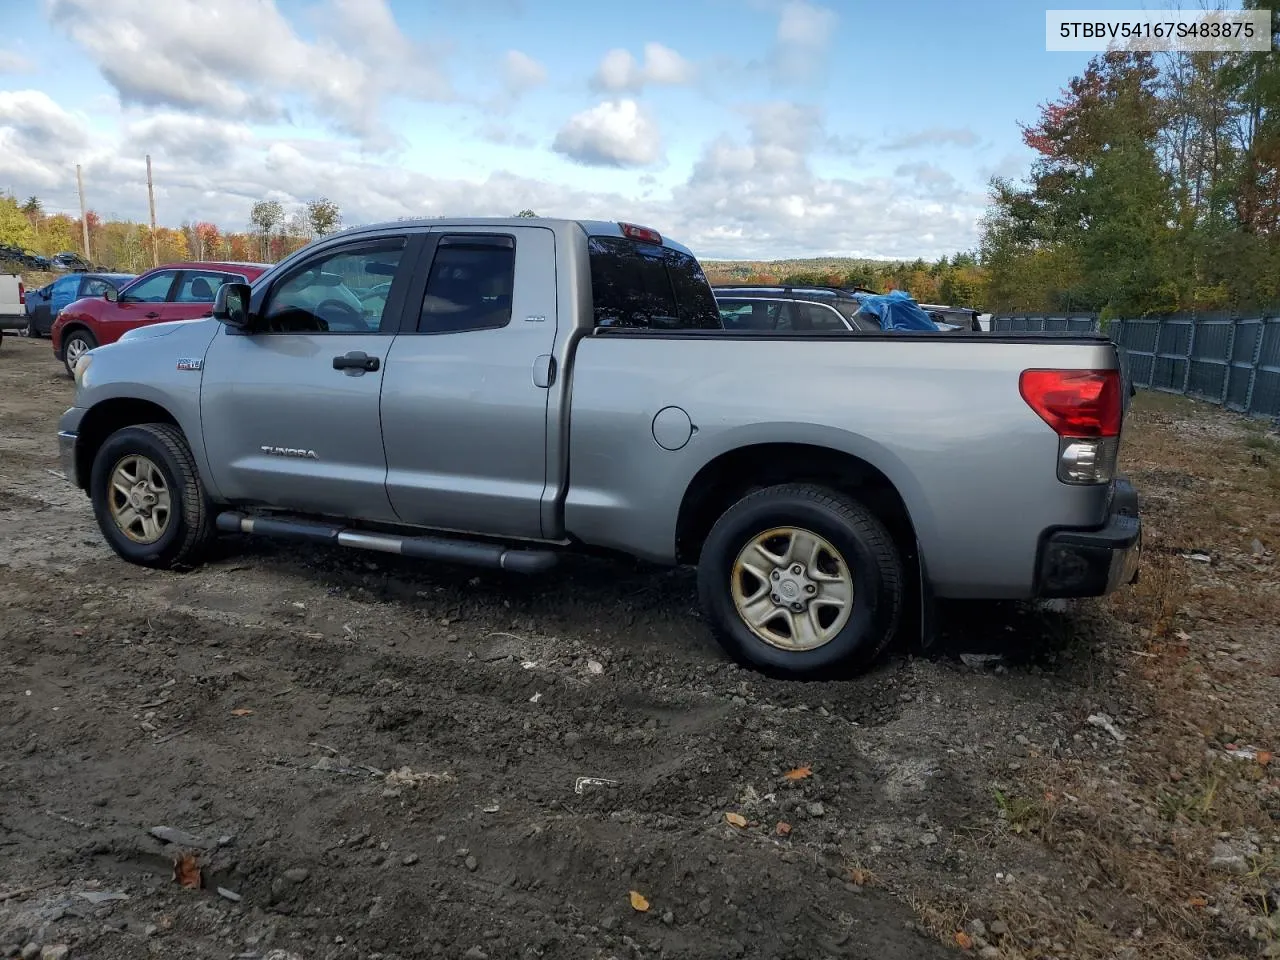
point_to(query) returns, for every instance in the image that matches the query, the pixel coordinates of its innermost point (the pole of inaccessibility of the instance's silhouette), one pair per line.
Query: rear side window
(635, 284)
(818, 317)
(751, 314)
(470, 285)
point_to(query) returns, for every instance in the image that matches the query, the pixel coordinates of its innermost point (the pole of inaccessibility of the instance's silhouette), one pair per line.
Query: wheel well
(69, 329)
(731, 476)
(104, 419)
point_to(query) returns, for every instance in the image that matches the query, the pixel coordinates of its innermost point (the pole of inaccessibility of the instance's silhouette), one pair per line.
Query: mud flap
(928, 606)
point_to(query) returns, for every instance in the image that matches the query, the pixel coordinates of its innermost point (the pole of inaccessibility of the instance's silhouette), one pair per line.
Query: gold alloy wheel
(792, 588)
(139, 499)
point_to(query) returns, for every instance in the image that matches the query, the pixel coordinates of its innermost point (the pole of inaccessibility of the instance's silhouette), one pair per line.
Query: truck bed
(977, 475)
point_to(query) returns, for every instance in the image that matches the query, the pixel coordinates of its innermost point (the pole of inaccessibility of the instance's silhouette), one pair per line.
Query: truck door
(290, 410)
(464, 397)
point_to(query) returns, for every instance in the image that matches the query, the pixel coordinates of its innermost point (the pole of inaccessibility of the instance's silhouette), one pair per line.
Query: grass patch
(1188, 655)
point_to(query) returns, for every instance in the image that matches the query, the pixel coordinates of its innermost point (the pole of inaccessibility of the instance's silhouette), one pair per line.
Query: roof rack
(787, 288)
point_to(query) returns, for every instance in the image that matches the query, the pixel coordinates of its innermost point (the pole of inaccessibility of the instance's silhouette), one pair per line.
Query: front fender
(153, 371)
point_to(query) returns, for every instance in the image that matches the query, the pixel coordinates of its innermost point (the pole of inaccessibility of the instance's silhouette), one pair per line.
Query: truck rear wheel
(148, 498)
(799, 580)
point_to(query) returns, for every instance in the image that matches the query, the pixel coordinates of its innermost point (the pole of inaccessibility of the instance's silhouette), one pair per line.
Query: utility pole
(84, 220)
(151, 199)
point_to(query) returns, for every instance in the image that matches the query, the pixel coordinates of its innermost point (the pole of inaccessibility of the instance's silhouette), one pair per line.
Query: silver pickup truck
(498, 392)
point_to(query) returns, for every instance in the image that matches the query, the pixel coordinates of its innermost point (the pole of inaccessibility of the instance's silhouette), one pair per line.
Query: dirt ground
(368, 758)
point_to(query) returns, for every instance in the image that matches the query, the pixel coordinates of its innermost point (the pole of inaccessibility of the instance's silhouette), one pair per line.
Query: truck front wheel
(148, 498)
(798, 580)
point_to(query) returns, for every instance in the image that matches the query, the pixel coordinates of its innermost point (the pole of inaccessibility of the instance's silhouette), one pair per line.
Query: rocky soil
(296, 753)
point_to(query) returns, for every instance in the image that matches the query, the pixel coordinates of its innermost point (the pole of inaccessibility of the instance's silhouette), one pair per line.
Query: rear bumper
(13, 321)
(1093, 562)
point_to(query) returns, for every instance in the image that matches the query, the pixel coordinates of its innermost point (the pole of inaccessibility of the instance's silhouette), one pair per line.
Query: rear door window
(647, 286)
(470, 285)
(93, 287)
(818, 317)
(751, 314)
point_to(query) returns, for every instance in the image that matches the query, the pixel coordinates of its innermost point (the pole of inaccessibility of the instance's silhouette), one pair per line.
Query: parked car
(177, 291)
(858, 307)
(44, 305)
(12, 303)
(958, 318)
(787, 308)
(12, 256)
(67, 262)
(531, 386)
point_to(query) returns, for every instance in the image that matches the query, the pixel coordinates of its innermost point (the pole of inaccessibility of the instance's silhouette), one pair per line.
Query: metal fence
(1227, 360)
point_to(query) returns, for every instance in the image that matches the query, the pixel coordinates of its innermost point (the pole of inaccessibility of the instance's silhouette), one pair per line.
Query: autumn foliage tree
(1156, 188)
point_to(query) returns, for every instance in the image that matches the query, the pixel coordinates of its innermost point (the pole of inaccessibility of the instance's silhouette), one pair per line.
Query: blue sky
(746, 128)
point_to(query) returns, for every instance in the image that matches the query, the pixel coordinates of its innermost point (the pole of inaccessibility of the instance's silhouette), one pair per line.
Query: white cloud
(521, 73)
(803, 39)
(616, 133)
(33, 123)
(186, 137)
(934, 137)
(619, 71)
(763, 195)
(13, 62)
(503, 134)
(242, 59)
(758, 195)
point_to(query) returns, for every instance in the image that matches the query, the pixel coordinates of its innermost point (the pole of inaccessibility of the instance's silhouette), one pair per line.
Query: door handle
(355, 363)
(152, 315)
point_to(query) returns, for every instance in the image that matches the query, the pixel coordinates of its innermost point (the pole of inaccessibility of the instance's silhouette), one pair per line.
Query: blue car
(44, 305)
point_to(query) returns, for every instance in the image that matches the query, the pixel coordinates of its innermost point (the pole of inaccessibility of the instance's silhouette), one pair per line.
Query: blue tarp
(896, 310)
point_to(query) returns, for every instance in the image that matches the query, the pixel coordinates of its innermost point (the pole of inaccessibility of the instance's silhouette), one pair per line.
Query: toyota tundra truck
(500, 392)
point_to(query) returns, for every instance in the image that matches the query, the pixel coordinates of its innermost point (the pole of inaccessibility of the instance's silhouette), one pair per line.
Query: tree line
(132, 247)
(1156, 189)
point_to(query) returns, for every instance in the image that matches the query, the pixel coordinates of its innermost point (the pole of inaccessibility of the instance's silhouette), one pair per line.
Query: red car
(176, 291)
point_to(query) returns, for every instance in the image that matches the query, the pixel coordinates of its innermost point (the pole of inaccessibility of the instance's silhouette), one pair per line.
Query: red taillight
(634, 232)
(1076, 403)
(22, 294)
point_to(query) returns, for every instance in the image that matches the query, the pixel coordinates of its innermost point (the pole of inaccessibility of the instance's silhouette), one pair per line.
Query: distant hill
(741, 270)
(956, 280)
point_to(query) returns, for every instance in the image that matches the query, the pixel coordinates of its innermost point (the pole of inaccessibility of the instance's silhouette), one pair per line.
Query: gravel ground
(351, 756)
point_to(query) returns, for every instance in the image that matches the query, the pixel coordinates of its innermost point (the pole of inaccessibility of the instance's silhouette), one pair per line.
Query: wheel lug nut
(797, 606)
(774, 598)
(775, 575)
(810, 588)
(797, 569)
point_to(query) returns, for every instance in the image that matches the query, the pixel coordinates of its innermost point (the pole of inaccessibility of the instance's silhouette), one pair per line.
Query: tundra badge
(289, 452)
(190, 363)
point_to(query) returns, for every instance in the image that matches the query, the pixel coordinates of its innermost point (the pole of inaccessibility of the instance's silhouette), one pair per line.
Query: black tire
(866, 548)
(189, 530)
(76, 333)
